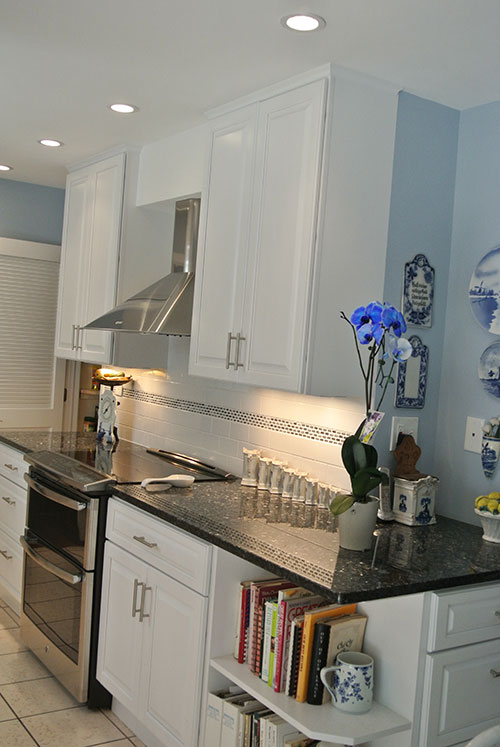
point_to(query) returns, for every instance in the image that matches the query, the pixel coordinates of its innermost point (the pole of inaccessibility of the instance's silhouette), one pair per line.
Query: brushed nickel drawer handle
(11, 466)
(135, 610)
(229, 362)
(494, 673)
(8, 500)
(239, 339)
(143, 614)
(144, 541)
(6, 554)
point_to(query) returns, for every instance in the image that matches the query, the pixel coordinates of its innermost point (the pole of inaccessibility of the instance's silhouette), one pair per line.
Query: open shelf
(317, 722)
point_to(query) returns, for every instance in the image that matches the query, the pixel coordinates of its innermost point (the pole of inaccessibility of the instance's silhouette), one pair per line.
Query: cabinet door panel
(460, 694)
(120, 634)
(282, 236)
(223, 244)
(103, 255)
(74, 261)
(173, 659)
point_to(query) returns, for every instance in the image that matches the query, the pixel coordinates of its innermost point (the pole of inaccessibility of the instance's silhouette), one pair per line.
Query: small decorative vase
(491, 525)
(356, 525)
(490, 450)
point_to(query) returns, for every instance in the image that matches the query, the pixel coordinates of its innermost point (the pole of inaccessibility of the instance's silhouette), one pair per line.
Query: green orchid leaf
(341, 503)
(366, 480)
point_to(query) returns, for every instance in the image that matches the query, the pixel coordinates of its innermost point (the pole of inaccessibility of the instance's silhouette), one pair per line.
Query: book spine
(260, 637)
(281, 624)
(294, 673)
(268, 622)
(237, 631)
(318, 661)
(244, 615)
(272, 647)
(251, 628)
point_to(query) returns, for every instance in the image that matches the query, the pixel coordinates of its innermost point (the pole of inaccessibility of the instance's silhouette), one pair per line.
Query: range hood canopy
(165, 307)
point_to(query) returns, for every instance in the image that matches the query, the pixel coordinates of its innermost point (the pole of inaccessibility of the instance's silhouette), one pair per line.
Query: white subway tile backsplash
(215, 421)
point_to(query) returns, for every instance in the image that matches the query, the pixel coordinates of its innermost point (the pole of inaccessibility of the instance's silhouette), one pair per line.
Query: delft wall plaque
(418, 292)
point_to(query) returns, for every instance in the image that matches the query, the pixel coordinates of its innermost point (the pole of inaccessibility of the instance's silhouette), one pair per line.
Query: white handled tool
(164, 483)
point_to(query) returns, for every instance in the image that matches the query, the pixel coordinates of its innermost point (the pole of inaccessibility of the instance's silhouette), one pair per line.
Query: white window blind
(28, 302)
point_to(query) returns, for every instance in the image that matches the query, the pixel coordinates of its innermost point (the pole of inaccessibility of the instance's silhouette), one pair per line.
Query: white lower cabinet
(461, 682)
(152, 644)
(12, 520)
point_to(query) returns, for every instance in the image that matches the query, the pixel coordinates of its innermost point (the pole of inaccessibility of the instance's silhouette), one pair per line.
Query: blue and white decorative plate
(484, 292)
(489, 369)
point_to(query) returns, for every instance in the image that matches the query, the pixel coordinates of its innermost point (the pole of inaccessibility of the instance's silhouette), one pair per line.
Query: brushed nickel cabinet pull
(144, 541)
(6, 554)
(494, 673)
(137, 583)
(73, 336)
(143, 614)
(229, 362)
(11, 466)
(239, 339)
(8, 500)
(79, 329)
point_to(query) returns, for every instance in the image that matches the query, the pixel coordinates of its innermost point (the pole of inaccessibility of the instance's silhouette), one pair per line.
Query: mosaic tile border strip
(281, 425)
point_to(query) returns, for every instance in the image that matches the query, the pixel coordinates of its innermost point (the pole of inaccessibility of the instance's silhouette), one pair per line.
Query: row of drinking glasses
(274, 475)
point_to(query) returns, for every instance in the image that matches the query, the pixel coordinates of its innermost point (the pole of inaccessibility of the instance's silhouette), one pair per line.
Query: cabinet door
(75, 238)
(99, 281)
(173, 660)
(120, 632)
(223, 245)
(461, 693)
(282, 237)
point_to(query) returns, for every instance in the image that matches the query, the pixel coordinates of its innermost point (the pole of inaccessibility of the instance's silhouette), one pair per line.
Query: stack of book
(235, 719)
(286, 634)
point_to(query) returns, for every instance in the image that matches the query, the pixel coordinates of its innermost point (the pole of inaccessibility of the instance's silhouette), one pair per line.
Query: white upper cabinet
(295, 215)
(89, 258)
(257, 240)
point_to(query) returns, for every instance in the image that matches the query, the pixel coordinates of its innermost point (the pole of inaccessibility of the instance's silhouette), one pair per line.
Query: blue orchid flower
(369, 332)
(399, 348)
(393, 320)
(371, 314)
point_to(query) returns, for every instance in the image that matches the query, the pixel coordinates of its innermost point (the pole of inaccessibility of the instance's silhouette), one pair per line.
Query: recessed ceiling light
(4, 167)
(123, 108)
(50, 143)
(300, 22)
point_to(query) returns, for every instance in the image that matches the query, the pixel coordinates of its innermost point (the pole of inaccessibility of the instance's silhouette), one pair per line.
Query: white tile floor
(36, 710)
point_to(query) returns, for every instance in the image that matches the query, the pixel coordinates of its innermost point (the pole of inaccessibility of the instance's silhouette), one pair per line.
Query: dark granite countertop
(300, 542)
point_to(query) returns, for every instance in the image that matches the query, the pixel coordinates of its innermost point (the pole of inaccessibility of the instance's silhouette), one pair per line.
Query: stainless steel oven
(64, 545)
(61, 581)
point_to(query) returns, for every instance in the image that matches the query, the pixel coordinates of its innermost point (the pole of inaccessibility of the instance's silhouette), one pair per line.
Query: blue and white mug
(352, 686)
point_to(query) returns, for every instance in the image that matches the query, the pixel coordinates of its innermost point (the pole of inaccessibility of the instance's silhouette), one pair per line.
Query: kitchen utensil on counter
(163, 483)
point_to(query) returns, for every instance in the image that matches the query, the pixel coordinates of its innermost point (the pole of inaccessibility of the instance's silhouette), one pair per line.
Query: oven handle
(53, 496)
(70, 578)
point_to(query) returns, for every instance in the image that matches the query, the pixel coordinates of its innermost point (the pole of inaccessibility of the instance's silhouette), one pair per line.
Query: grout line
(114, 724)
(28, 731)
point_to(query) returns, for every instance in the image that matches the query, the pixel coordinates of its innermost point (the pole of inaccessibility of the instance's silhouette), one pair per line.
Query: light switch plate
(473, 434)
(403, 425)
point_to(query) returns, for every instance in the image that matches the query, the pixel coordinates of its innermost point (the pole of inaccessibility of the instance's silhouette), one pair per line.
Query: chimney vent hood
(165, 307)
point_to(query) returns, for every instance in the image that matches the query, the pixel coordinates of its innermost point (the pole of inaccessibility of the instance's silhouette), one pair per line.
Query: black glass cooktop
(99, 467)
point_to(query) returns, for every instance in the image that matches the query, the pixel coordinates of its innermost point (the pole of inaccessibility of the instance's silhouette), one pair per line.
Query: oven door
(63, 518)
(56, 613)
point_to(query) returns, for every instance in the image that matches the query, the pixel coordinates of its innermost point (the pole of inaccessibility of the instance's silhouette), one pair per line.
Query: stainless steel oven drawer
(174, 552)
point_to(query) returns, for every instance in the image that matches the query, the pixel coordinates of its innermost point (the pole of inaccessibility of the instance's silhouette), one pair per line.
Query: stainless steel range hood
(165, 307)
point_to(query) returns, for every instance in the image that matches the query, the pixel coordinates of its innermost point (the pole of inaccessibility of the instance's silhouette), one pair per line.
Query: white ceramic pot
(356, 525)
(491, 525)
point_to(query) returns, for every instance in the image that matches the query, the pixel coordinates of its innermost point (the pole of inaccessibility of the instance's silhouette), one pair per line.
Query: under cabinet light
(4, 167)
(123, 108)
(301, 22)
(50, 143)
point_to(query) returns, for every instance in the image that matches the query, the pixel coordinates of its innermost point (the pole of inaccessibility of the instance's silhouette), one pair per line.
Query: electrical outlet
(473, 434)
(403, 425)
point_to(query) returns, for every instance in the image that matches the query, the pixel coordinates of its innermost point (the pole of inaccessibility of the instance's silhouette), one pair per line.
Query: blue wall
(476, 228)
(421, 222)
(31, 212)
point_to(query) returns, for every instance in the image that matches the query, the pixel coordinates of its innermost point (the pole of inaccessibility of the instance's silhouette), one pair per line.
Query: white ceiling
(63, 61)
